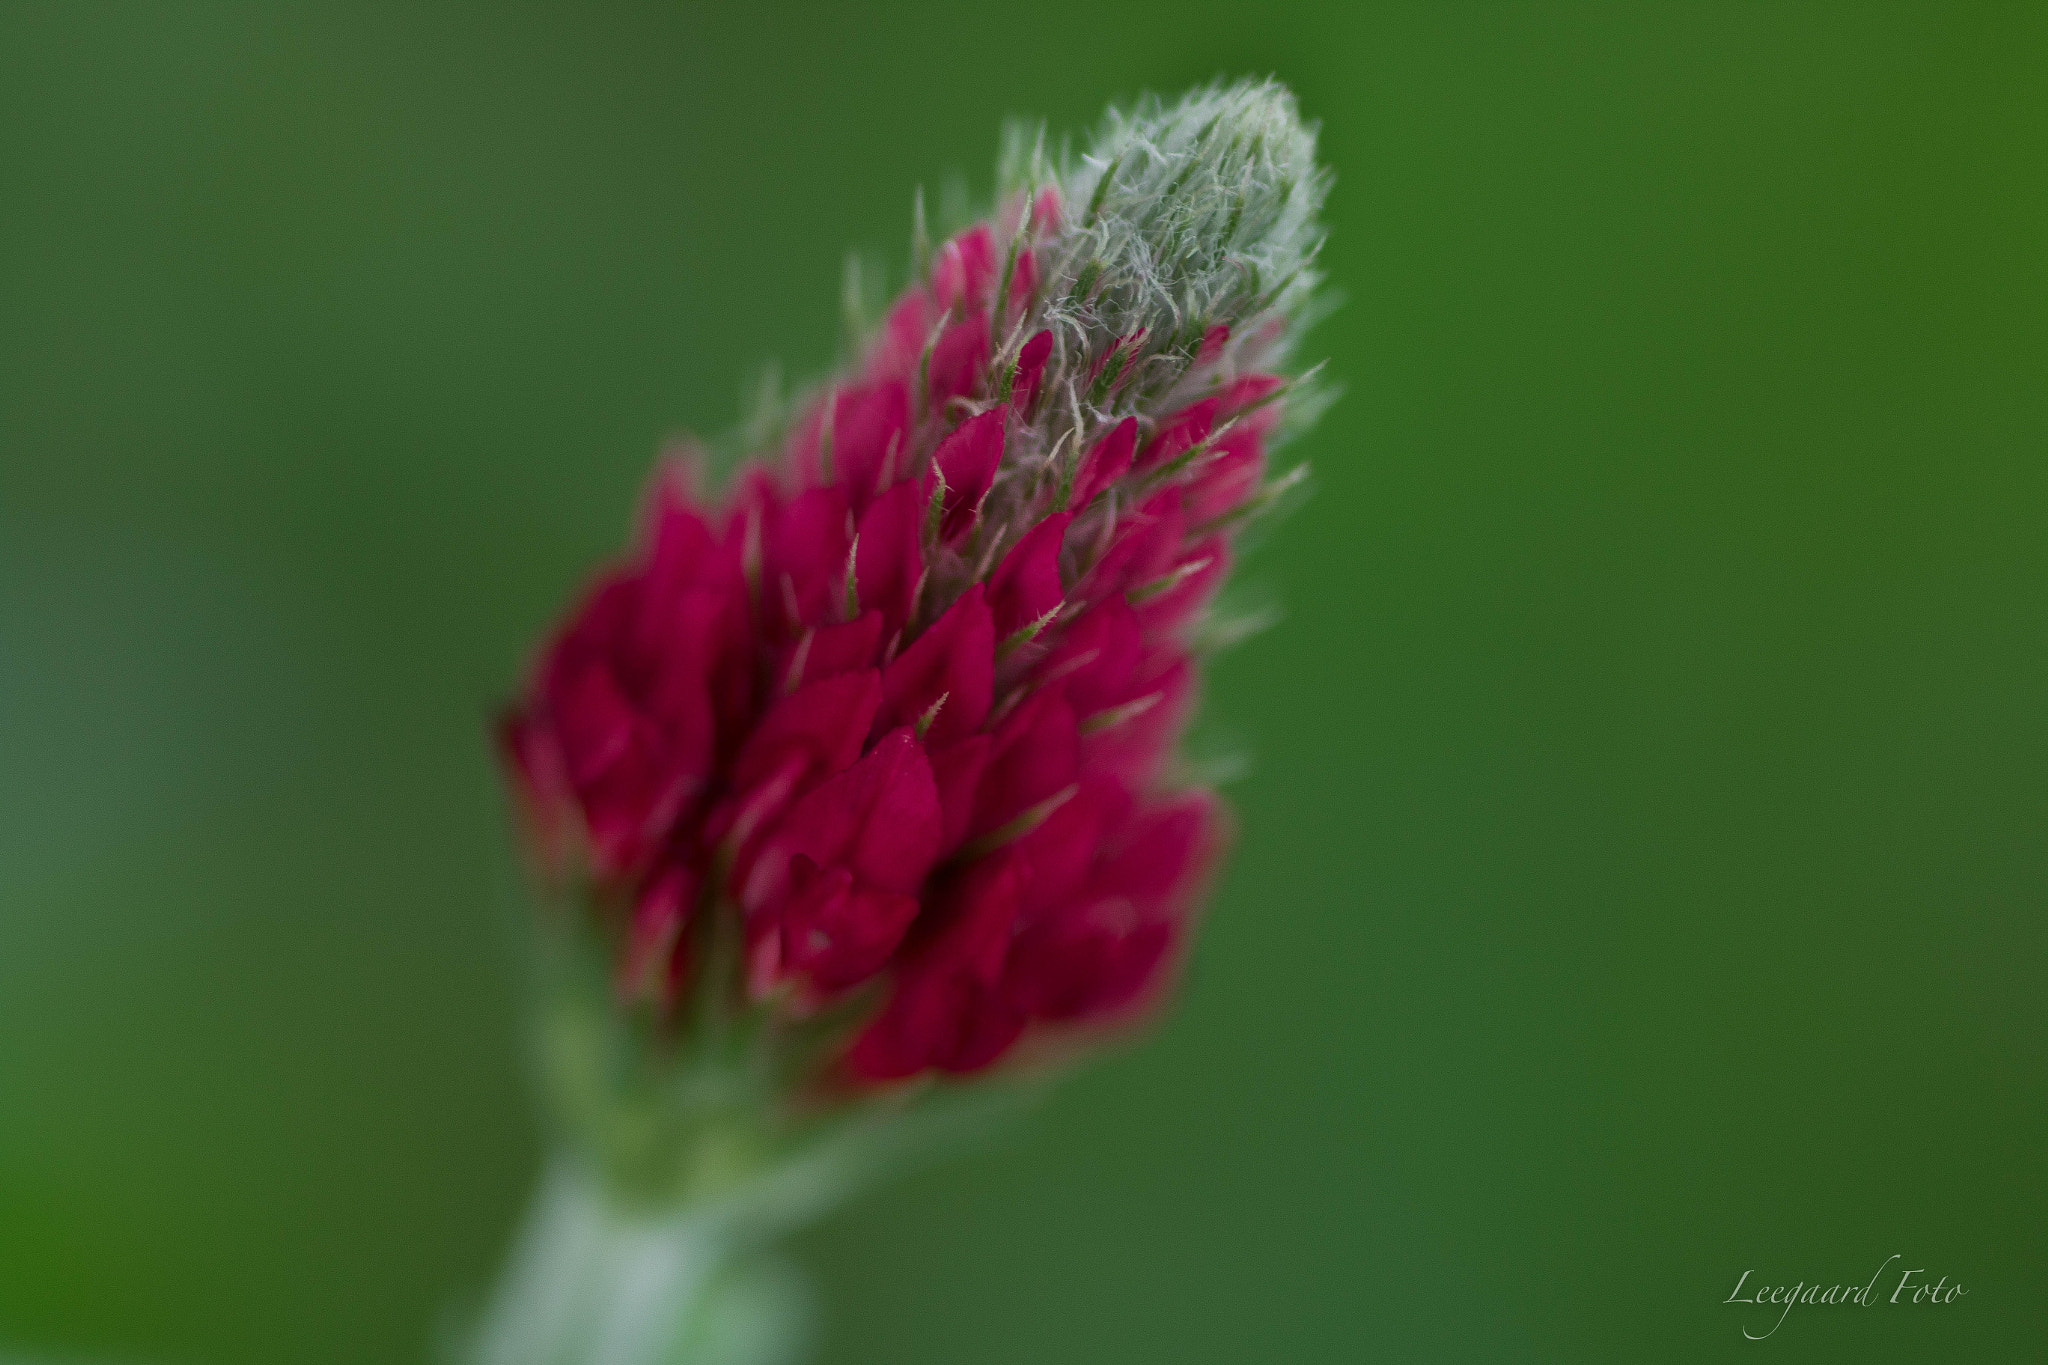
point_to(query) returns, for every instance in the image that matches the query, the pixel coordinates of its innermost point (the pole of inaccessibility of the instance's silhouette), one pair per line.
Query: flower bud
(896, 715)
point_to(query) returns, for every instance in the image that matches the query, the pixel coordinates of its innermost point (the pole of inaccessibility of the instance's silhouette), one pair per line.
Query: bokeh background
(1641, 876)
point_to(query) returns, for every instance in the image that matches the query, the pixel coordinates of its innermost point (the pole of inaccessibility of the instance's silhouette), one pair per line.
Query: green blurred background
(1641, 876)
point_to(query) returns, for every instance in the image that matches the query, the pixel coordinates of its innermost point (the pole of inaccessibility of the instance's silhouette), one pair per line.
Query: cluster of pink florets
(903, 703)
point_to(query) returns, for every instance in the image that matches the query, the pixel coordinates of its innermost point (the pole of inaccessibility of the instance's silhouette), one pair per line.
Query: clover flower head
(881, 739)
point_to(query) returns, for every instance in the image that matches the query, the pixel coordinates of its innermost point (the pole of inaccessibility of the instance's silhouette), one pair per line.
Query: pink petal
(1091, 965)
(1104, 951)
(958, 358)
(683, 643)
(1132, 737)
(1244, 392)
(1031, 358)
(956, 772)
(531, 758)
(631, 780)
(823, 651)
(591, 634)
(836, 932)
(1094, 656)
(804, 560)
(1061, 850)
(595, 724)
(967, 460)
(936, 1019)
(900, 838)
(870, 439)
(825, 721)
(905, 332)
(1034, 756)
(657, 944)
(1179, 433)
(947, 1012)
(890, 561)
(972, 915)
(1146, 542)
(1023, 281)
(1186, 588)
(880, 818)
(964, 269)
(752, 502)
(678, 537)
(1165, 851)
(953, 659)
(1026, 585)
(1045, 210)
(1227, 478)
(1106, 462)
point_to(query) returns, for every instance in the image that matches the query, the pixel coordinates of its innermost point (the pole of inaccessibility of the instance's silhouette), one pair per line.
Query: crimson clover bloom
(878, 743)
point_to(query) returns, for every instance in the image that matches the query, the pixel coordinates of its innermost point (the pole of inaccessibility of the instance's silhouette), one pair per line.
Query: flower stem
(591, 1282)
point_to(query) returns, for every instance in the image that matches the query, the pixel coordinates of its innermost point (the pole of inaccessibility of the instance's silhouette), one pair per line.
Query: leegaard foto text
(1913, 1288)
